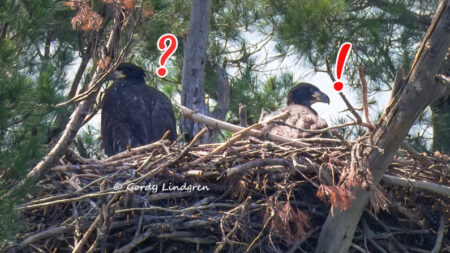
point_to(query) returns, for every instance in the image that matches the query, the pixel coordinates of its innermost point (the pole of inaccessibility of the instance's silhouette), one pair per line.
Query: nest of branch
(245, 195)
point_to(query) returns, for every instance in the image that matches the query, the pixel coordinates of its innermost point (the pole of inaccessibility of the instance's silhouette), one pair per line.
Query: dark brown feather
(135, 114)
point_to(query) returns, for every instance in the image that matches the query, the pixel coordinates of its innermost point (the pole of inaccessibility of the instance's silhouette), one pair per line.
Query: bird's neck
(130, 82)
(304, 103)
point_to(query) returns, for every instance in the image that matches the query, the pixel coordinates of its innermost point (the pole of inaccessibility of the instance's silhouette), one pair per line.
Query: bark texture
(416, 93)
(193, 95)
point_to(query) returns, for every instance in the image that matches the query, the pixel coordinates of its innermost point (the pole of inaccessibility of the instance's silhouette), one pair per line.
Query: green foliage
(268, 96)
(34, 52)
(87, 142)
(383, 37)
(310, 26)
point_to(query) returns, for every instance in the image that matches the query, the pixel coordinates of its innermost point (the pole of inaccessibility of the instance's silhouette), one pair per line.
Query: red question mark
(168, 51)
(340, 63)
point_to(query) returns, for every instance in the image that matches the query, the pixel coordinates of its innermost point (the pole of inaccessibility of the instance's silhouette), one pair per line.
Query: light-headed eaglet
(301, 115)
(133, 113)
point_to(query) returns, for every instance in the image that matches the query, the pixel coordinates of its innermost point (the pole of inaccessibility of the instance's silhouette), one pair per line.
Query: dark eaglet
(133, 113)
(301, 115)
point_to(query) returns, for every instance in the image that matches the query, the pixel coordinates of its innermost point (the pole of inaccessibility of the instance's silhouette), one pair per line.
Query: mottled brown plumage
(301, 115)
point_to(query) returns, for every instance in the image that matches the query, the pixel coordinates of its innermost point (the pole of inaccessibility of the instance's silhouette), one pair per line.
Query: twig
(151, 231)
(79, 247)
(173, 160)
(235, 138)
(440, 235)
(240, 169)
(369, 235)
(51, 232)
(184, 210)
(300, 241)
(243, 115)
(416, 155)
(91, 195)
(322, 130)
(365, 92)
(350, 107)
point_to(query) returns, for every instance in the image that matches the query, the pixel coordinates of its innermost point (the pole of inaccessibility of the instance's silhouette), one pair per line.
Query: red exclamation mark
(340, 64)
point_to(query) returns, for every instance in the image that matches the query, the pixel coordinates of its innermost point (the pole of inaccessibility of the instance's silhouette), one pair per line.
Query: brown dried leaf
(73, 6)
(104, 63)
(288, 223)
(128, 4)
(147, 11)
(301, 221)
(341, 197)
(241, 190)
(87, 20)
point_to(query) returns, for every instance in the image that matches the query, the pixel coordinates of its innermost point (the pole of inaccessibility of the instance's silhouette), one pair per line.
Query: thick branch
(233, 128)
(432, 188)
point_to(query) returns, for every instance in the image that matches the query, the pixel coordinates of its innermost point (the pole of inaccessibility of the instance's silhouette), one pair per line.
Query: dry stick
(300, 241)
(232, 140)
(233, 128)
(243, 115)
(351, 108)
(78, 188)
(440, 235)
(368, 232)
(260, 124)
(322, 130)
(187, 237)
(51, 232)
(400, 246)
(91, 195)
(365, 101)
(347, 103)
(147, 161)
(358, 248)
(78, 248)
(173, 160)
(181, 211)
(445, 79)
(133, 151)
(416, 155)
(242, 168)
(433, 188)
(269, 220)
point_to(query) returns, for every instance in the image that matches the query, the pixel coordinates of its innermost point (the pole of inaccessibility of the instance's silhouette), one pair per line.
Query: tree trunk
(440, 118)
(223, 101)
(193, 95)
(440, 114)
(418, 91)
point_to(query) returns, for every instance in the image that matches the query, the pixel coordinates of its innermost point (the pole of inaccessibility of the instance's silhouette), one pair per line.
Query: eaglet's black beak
(320, 97)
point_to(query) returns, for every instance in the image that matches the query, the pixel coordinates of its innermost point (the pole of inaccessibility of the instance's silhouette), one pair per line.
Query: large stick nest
(245, 195)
